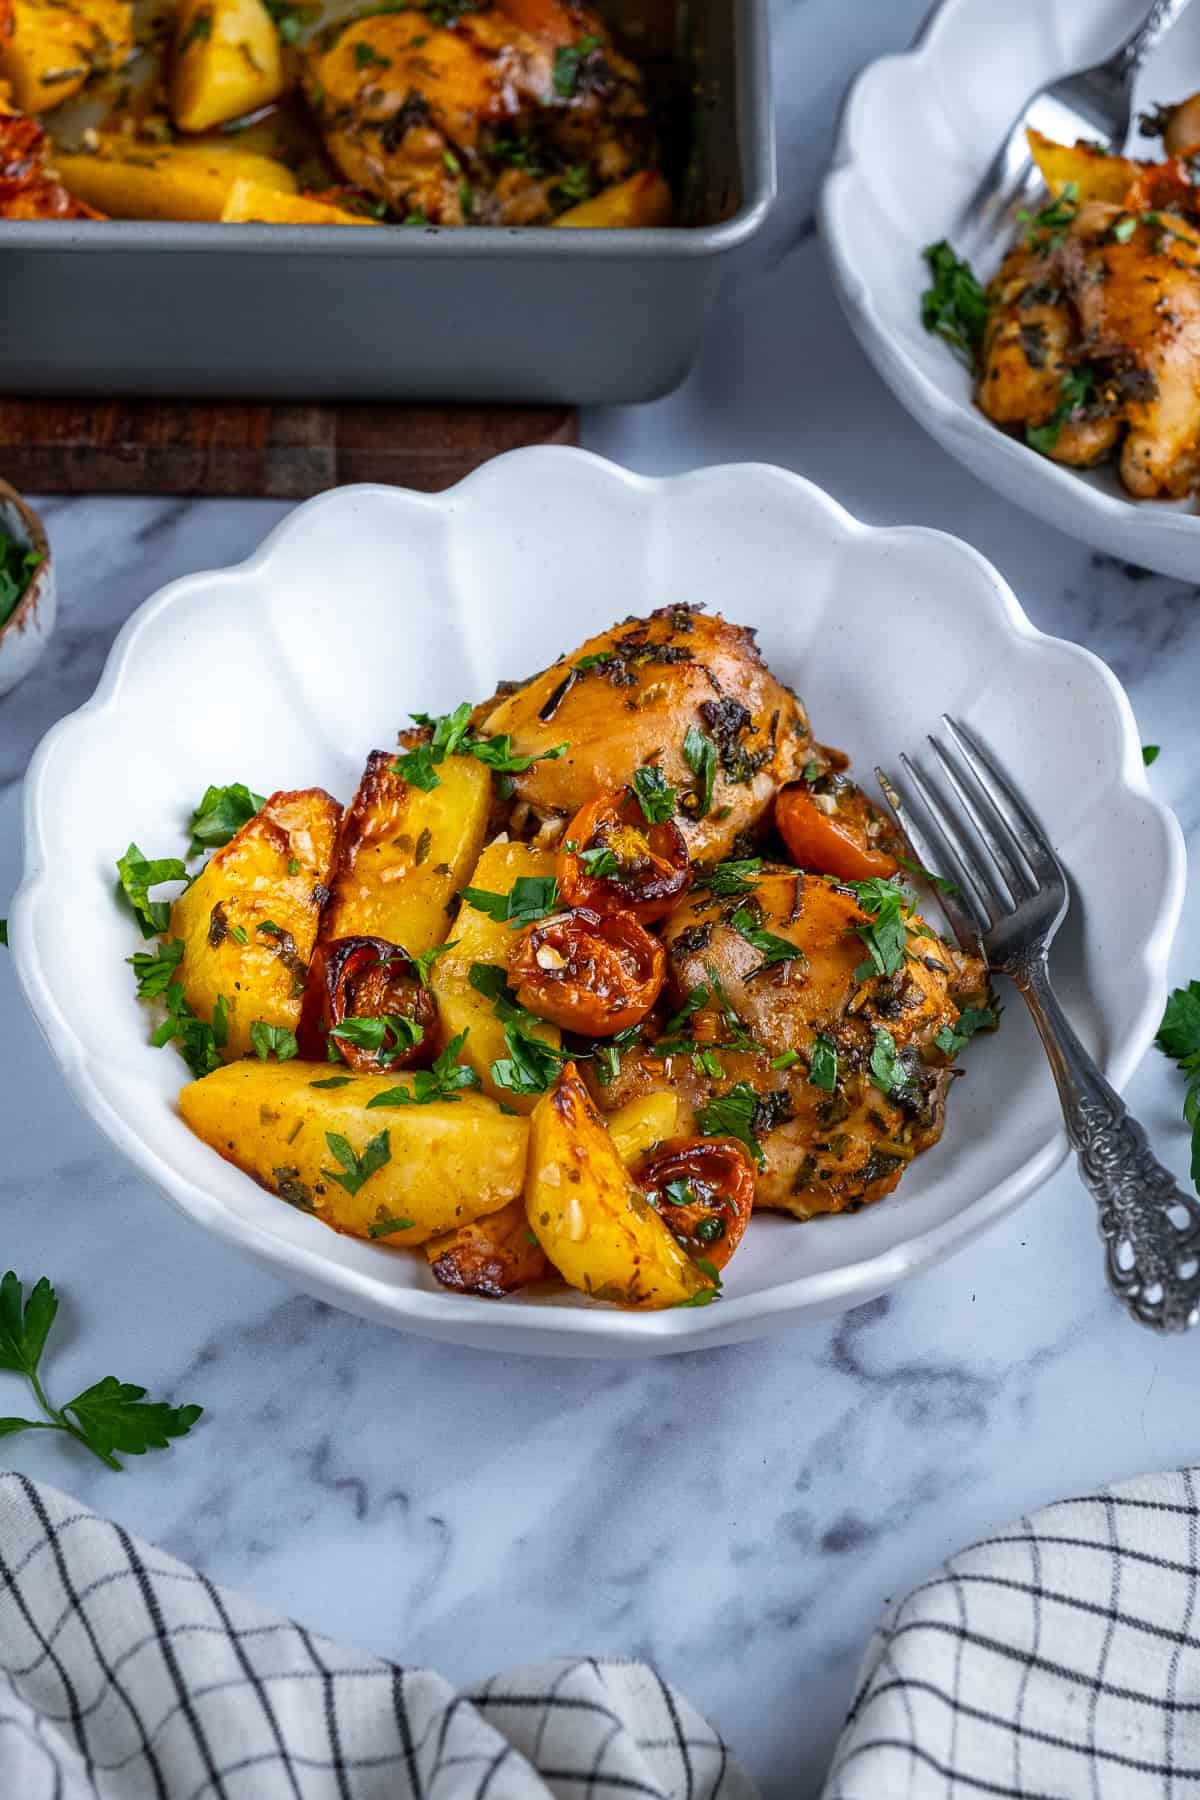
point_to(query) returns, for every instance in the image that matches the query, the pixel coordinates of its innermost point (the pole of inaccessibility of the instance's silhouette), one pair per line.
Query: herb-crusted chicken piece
(683, 692)
(816, 1021)
(435, 118)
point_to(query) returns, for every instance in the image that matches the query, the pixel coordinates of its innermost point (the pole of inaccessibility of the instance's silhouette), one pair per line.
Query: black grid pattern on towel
(1058, 1660)
(124, 1675)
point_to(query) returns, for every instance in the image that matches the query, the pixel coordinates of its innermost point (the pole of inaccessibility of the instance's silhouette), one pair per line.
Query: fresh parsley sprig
(531, 897)
(136, 875)
(442, 1082)
(532, 1065)
(886, 932)
(110, 1415)
(954, 306)
(388, 1036)
(452, 736)
(1179, 1038)
(221, 814)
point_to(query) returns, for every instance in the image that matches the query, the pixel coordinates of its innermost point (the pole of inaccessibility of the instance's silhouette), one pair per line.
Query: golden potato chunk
(226, 61)
(249, 204)
(165, 181)
(249, 920)
(590, 1217)
(417, 1170)
(403, 853)
(55, 47)
(640, 1124)
(642, 200)
(629, 697)
(492, 1256)
(477, 938)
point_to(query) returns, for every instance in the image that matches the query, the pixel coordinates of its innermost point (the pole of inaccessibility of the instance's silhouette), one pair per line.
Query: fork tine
(937, 850)
(1023, 828)
(959, 836)
(1003, 851)
(928, 855)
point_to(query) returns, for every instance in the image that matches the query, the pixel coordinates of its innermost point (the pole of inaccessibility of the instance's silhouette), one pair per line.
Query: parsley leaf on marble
(1179, 1038)
(110, 1415)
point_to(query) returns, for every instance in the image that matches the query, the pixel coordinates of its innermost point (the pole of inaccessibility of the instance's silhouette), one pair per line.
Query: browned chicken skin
(436, 120)
(627, 698)
(824, 1150)
(1092, 341)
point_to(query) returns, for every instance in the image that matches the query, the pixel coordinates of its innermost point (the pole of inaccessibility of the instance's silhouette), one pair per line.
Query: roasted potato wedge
(493, 1256)
(249, 204)
(165, 181)
(402, 853)
(642, 200)
(437, 1166)
(249, 920)
(226, 62)
(56, 46)
(589, 1215)
(640, 1124)
(478, 939)
(1095, 174)
(628, 697)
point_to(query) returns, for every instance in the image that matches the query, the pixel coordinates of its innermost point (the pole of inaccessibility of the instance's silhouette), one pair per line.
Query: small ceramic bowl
(26, 631)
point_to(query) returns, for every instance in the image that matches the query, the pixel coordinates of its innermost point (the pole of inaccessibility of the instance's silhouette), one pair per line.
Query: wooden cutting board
(276, 451)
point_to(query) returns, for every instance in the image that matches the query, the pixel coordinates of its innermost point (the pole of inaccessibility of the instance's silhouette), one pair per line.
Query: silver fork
(1009, 899)
(1093, 103)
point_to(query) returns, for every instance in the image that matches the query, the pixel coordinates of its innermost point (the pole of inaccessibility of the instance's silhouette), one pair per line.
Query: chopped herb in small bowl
(26, 588)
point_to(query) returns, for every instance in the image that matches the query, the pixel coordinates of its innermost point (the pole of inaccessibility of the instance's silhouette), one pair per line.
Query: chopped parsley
(1047, 230)
(332, 1081)
(367, 57)
(1122, 229)
(267, 1040)
(654, 794)
(424, 960)
(385, 1227)
(531, 897)
(1151, 753)
(954, 307)
(155, 969)
(887, 1071)
(197, 32)
(373, 1034)
(452, 736)
(567, 60)
(199, 1042)
(354, 1169)
(940, 882)
(700, 755)
(18, 566)
(599, 862)
(1078, 386)
(1179, 1038)
(787, 1060)
(886, 932)
(823, 1069)
(773, 949)
(532, 1065)
(730, 880)
(221, 814)
(732, 1115)
(442, 1082)
(137, 874)
(952, 1039)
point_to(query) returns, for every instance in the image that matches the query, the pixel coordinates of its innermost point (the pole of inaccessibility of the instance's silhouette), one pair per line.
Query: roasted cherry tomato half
(619, 863)
(833, 828)
(704, 1189)
(366, 979)
(588, 973)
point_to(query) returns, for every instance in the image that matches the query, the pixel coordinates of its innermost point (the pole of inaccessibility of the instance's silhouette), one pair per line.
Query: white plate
(916, 135)
(371, 602)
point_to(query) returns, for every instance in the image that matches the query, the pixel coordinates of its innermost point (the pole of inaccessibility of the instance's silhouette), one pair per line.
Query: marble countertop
(741, 1516)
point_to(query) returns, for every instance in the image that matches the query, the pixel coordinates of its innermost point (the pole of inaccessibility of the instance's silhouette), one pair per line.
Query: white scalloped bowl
(917, 133)
(371, 602)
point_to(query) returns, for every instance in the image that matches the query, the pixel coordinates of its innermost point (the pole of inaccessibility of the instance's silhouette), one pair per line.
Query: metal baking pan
(315, 312)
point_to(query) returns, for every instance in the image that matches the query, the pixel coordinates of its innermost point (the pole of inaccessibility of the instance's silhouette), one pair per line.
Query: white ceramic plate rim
(1113, 521)
(595, 1330)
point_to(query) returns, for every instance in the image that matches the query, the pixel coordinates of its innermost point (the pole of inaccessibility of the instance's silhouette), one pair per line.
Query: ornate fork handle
(1150, 1226)
(1139, 44)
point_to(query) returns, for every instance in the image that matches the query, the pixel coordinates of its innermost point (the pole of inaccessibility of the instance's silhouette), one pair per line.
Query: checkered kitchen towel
(130, 1676)
(1057, 1660)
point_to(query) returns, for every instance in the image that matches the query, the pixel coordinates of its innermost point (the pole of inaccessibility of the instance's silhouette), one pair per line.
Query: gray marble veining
(741, 1516)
